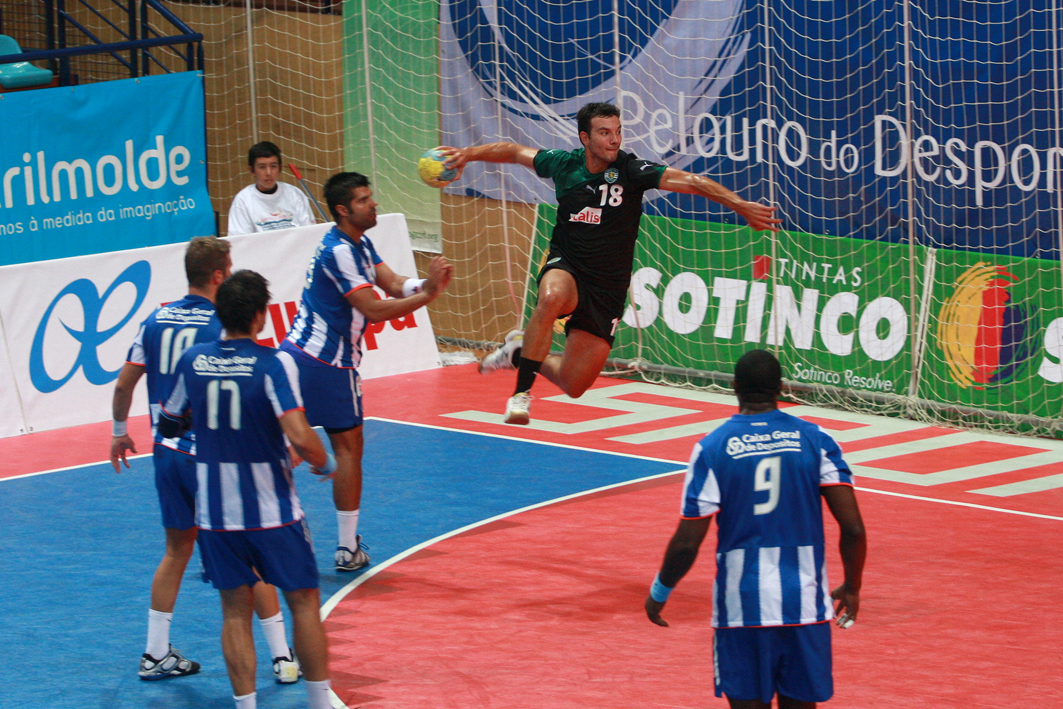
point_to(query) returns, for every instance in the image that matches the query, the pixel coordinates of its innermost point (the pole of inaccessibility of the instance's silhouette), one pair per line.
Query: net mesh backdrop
(912, 149)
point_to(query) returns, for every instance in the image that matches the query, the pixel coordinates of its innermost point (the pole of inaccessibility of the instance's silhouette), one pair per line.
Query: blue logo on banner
(90, 338)
(559, 51)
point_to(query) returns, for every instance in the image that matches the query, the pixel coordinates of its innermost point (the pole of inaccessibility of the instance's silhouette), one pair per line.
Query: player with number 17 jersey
(245, 481)
(162, 339)
(762, 474)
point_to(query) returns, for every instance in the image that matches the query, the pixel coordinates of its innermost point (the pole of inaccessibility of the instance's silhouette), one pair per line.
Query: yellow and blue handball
(430, 168)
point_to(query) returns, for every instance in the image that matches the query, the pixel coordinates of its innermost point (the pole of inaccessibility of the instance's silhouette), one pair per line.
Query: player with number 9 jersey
(762, 475)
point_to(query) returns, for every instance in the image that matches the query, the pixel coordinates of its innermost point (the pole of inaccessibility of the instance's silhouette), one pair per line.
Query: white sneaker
(517, 408)
(286, 669)
(502, 358)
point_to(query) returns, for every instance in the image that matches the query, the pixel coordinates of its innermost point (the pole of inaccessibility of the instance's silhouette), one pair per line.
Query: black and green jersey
(598, 213)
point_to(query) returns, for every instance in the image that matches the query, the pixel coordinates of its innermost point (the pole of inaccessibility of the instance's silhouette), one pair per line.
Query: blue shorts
(332, 397)
(283, 556)
(175, 481)
(755, 663)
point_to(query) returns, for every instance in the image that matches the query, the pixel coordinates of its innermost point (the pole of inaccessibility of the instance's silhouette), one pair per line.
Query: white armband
(411, 286)
(119, 428)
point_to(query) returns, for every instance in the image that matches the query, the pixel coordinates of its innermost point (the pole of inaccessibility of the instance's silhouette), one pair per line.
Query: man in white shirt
(268, 204)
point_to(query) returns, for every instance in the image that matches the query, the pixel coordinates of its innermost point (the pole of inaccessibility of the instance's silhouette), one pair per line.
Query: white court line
(403, 423)
(960, 504)
(71, 467)
(528, 440)
(332, 602)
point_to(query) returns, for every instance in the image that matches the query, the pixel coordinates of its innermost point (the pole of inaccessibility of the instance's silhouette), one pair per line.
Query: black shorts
(599, 309)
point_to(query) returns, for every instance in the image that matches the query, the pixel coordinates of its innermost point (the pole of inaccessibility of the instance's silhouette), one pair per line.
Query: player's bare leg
(347, 485)
(347, 497)
(576, 370)
(748, 704)
(558, 295)
(784, 703)
(311, 644)
(310, 641)
(167, 580)
(237, 641)
(160, 660)
(268, 610)
(267, 604)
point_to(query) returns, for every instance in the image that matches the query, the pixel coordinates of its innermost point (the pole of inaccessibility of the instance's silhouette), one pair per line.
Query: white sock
(158, 634)
(275, 636)
(348, 524)
(317, 694)
(248, 701)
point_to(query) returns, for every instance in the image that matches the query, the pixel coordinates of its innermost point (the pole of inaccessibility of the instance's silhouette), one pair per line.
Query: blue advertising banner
(103, 167)
(856, 119)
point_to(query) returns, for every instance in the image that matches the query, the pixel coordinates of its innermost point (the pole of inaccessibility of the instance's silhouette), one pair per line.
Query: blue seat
(20, 75)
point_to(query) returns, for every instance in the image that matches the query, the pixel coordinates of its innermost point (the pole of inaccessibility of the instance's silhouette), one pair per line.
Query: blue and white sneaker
(502, 358)
(173, 665)
(348, 560)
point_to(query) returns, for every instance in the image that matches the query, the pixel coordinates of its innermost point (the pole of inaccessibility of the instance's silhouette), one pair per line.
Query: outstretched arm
(758, 216)
(458, 158)
(680, 556)
(841, 500)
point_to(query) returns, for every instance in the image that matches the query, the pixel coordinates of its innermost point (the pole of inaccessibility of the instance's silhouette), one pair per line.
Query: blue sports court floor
(80, 547)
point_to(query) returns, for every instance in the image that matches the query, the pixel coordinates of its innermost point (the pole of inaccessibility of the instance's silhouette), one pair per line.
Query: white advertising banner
(394, 347)
(12, 422)
(68, 323)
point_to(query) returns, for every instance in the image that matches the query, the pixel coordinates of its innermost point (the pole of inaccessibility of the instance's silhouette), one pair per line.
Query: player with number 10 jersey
(162, 339)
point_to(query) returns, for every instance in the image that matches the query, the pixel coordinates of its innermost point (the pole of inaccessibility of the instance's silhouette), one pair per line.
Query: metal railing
(141, 48)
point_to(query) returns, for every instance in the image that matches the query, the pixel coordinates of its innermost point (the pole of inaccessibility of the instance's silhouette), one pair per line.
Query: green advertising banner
(994, 338)
(838, 310)
(842, 313)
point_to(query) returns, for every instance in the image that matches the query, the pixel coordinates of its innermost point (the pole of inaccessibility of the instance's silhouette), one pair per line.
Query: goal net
(912, 150)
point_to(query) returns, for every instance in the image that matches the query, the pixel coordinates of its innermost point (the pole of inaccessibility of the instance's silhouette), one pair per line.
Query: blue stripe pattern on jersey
(162, 339)
(237, 391)
(327, 327)
(761, 475)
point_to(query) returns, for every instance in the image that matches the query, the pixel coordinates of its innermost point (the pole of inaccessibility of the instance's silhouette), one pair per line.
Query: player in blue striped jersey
(245, 406)
(159, 344)
(325, 339)
(763, 474)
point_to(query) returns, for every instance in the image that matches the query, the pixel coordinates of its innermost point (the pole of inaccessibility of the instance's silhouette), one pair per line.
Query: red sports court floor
(961, 605)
